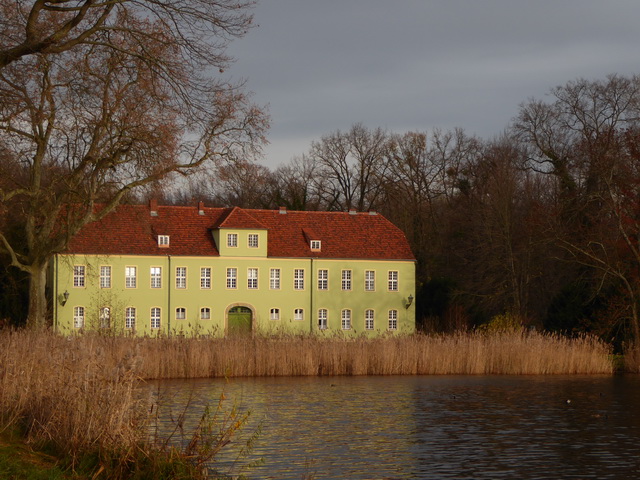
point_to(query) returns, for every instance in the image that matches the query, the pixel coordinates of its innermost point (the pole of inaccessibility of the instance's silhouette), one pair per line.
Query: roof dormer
(163, 241)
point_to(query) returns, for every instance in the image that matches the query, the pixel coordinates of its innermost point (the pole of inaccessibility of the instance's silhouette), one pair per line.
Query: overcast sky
(414, 65)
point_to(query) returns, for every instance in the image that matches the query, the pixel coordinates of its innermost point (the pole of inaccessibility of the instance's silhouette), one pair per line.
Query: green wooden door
(239, 321)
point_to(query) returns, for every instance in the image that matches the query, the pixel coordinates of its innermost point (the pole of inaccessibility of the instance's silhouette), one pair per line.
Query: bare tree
(293, 185)
(588, 140)
(100, 99)
(351, 168)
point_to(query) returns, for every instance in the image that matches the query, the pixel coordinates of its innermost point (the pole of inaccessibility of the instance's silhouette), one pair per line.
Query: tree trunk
(38, 308)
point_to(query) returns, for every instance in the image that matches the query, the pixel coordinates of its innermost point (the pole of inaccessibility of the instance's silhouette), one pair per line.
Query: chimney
(352, 211)
(200, 208)
(153, 207)
(283, 210)
(372, 212)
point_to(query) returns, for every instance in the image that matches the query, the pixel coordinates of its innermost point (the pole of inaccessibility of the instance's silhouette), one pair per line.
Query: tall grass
(462, 353)
(79, 398)
(79, 394)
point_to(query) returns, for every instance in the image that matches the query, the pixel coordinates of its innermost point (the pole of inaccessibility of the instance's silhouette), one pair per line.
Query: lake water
(432, 427)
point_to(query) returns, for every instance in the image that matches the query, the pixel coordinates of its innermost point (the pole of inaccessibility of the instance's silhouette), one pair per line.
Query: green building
(149, 269)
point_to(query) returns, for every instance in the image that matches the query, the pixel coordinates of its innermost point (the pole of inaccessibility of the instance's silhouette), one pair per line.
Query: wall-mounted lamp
(63, 298)
(409, 301)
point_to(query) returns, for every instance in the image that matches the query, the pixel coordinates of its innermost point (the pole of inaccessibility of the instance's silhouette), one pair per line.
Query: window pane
(181, 277)
(346, 319)
(205, 277)
(323, 279)
(105, 276)
(252, 278)
(232, 277)
(346, 279)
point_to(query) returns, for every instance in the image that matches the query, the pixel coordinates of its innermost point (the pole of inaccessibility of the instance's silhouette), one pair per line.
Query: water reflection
(436, 427)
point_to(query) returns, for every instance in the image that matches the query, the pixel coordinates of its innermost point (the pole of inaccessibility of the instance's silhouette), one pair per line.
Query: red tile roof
(132, 230)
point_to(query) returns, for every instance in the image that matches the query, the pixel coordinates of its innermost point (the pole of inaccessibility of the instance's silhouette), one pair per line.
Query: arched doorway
(239, 320)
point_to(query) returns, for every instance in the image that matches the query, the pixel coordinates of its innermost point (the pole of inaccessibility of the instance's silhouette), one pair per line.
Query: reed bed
(78, 394)
(511, 353)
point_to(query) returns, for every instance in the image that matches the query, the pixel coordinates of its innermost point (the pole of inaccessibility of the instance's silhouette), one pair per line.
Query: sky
(415, 65)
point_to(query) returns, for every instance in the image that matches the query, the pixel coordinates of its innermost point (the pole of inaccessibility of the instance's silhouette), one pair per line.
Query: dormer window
(315, 245)
(163, 241)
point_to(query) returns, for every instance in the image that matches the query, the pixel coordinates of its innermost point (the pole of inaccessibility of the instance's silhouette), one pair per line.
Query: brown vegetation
(78, 394)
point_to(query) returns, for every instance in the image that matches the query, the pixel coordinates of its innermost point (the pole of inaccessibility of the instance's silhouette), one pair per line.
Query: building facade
(149, 270)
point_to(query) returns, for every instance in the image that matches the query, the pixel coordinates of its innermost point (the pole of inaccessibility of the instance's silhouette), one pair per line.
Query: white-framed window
(156, 277)
(323, 279)
(274, 279)
(163, 240)
(155, 318)
(205, 313)
(78, 317)
(345, 316)
(368, 319)
(232, 277)
(105, 276)
(105, 317)
(181, 313)
(205, 277)
(298, 279)
(78, 275)
(393, 319)
(369, 280)
(322, 319)
(181, 277)
(298, 314)
(232, 239)
(274, 314)
(130, 318)
(252, 278)
(130, 277)
(346, 279)
(252, 240)
(393, 280)
(315, 245)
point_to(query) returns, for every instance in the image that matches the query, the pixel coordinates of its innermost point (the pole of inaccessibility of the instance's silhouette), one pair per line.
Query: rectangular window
(252, 240)
(105, 317)
(274, 279)
(181, 313)
(346, 279)
(105, 276)
(368, 319)
(346, 319)
(205, 277)
(130, 318)
(298, 314)
(322, 319)
(155, 318)
(130, 280)
(163, 241)
(369, 280)
(252, 278)
(315, 245)
(232, 277)
(181, 277)
(205, 313)
(323, 279)
(232, 239)
(78, 275)
(156, 277)
(298, 279)
(274, 314)
(393, 319)
(393, 281)
(78, 317)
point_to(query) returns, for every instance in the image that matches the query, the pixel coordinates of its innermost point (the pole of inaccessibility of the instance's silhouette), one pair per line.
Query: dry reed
(79, 393)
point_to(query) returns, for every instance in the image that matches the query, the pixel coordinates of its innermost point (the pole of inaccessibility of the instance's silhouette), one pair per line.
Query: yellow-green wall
(220, 299)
